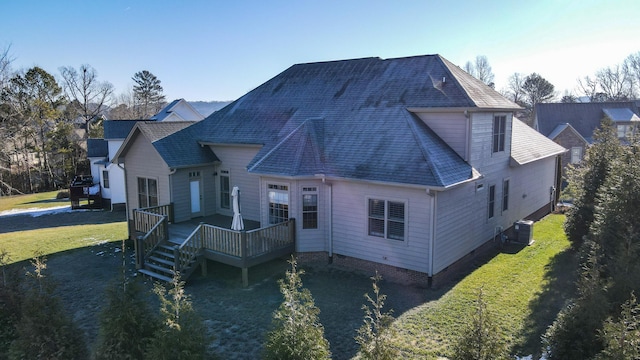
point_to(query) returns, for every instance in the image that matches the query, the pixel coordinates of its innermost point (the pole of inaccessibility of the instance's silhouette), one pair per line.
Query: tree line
(619, 82)
(45, 121)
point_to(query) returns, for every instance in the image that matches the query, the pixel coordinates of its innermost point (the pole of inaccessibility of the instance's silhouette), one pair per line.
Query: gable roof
(583, 117)
(182, 151)
(171, 111)
(528, 145)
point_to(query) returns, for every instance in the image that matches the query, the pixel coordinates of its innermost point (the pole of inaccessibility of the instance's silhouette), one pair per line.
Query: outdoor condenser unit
(524, 228)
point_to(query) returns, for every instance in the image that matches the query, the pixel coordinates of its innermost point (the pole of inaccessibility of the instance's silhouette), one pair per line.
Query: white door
(196, 198)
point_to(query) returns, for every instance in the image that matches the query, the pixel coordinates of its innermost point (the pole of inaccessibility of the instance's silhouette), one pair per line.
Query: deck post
(203, 266)
(245, 250)
(139, 248)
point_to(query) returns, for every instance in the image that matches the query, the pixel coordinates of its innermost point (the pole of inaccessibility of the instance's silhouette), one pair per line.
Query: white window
(386, 219)
(492, 201)
(499, 132)
(309, 208)
(278, 203)
(505, 195)
(225, 190)
(625, 130)
(147, 192)
(576, 154)
(105, 178)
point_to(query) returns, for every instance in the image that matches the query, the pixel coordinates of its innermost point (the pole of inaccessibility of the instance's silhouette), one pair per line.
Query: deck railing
(239, 245)
(189, 250)
(160, 210)
(155, 228)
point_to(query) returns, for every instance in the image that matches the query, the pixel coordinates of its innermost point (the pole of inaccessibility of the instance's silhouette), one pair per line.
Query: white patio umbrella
(237, 223)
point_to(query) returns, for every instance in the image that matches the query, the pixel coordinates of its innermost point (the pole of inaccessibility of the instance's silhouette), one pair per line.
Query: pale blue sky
(219, 50)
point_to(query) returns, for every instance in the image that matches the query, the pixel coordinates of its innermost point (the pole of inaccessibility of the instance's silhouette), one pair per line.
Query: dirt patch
(237, 318)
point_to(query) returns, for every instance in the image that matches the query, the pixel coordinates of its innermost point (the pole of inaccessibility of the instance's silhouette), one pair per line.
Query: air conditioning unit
(524, 229)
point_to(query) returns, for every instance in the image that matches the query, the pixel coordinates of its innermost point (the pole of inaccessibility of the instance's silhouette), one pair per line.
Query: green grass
(39, 200)
(524, 289)
(22, 245)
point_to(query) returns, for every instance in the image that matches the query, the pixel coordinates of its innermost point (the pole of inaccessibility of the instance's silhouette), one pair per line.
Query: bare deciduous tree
(480, 69)
(89, 97)
(615, 83)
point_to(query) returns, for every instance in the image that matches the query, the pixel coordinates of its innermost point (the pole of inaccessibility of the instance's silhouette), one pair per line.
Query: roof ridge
(275, 147)
(411, 122)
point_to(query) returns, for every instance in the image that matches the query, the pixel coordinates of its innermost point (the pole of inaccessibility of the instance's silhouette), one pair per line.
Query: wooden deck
(164, 247)
(179, 232)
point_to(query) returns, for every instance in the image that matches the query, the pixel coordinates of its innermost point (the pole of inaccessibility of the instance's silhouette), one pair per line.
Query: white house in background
(101, 151)
(178, 110)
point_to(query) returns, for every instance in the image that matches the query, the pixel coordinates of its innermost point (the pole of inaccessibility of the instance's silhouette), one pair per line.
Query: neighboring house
(101, 151)
(571, 125)
(178, 110)
(405, 165)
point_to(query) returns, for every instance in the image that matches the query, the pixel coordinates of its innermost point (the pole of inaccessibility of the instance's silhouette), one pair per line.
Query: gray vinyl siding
(181, 192)
(142, 160)
(451, 127)
(235, 159)
(481, 156)
(462, 212)
(350, 225)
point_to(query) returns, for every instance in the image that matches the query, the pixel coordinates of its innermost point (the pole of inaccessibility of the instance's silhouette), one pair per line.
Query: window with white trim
(105, 179)
(492, 201)
(225, 190)
(505, 195)
(499, 132)
(576, 154)
(309, 208)
(147, 192)
(387, 219)
(278, 203)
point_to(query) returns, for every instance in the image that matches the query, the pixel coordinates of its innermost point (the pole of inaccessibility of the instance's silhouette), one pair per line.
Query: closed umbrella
(237, 223)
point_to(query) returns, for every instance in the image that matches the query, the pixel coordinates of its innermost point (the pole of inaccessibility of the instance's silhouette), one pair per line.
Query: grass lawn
(22, 245)
(39, 200)
(524, 288)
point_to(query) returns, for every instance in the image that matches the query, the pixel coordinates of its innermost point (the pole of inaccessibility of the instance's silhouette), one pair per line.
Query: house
(101, 151)
(403, 165)
(178, 110)
(571, 125)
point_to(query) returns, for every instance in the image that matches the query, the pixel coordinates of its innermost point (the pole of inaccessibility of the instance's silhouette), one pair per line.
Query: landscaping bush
(296, 333)
(64, 194)
(44, 331)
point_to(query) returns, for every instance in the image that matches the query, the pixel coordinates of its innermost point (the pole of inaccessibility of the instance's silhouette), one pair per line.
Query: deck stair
(161, 262)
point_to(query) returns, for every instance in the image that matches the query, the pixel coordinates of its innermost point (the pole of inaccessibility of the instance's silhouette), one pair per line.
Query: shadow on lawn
(560, 278)
(26, 222)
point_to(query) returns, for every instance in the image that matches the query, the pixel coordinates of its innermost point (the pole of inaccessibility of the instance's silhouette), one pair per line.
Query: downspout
(126, 198)
(330, 222)
(432, 237)
(171, 172)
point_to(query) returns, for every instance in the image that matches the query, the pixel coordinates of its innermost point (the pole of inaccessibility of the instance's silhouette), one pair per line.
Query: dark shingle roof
(583, 117)
(349, 119)
(165, 111)
(97, 148)
(118, 129)
(178, 149)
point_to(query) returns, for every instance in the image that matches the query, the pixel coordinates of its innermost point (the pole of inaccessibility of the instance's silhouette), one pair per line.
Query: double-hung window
(309, 208)
(105, 179)
(278, 203)
(387, 219)
(492, 201)
(147, 192)
(499, 131)
(576, 154)
(225, 190)
(505, 195)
